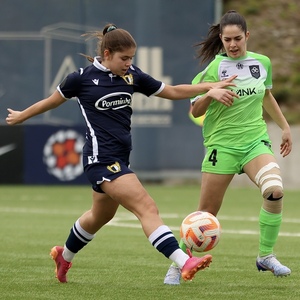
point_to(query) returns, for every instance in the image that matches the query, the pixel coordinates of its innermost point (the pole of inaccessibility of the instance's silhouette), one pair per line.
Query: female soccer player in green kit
(235, 133)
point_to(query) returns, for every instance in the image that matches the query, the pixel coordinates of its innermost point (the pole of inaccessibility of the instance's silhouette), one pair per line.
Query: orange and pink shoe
(194, 264)
(188, 271)
(62, 266)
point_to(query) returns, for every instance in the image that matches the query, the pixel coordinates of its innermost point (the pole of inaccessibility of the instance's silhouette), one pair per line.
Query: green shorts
(220, 160)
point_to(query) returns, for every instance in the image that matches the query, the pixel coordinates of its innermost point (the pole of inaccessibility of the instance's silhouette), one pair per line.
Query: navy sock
(78, 238)
(164, 240)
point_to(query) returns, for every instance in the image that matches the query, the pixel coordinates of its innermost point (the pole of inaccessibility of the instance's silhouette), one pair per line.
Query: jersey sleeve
(207, 75)
(70, 86)
(146, 84)
(197, 79)
(268, 66)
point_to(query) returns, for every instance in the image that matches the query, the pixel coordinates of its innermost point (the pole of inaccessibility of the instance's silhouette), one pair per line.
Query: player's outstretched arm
(16, 117)
(183, 91)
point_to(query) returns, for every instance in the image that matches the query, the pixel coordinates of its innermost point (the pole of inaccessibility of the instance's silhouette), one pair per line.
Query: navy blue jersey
(105, 102)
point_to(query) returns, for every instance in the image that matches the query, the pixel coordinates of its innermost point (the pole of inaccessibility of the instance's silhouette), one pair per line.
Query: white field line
(123, 219)
(119, 221)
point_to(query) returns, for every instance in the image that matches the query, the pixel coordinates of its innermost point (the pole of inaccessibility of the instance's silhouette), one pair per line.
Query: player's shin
(269, 224)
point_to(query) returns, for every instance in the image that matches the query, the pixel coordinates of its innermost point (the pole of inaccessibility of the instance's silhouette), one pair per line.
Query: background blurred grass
(120, 263)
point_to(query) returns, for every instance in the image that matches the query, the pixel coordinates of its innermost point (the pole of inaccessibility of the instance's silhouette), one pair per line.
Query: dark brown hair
(213, 45)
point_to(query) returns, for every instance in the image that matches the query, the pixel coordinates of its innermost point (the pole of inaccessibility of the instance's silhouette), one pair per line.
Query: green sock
(269, 229)
(182, 247)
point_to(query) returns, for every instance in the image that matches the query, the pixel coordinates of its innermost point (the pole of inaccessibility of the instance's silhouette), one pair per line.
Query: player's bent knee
(277, 194)
(269, 181)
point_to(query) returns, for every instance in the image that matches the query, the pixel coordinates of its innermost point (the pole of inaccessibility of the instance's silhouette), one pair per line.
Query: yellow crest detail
(128, 79)
(115, 168)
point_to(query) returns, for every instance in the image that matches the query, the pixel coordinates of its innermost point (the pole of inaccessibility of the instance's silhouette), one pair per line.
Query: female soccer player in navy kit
(104, 91)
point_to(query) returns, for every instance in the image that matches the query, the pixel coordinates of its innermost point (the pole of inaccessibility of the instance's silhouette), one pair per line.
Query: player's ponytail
(211, 46)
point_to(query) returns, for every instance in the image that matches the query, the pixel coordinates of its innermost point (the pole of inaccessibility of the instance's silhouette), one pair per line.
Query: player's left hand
(224, 96)
(286, 145)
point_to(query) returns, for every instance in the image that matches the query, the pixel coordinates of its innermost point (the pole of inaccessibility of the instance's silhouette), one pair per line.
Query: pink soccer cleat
(194, 264)
(62, 266)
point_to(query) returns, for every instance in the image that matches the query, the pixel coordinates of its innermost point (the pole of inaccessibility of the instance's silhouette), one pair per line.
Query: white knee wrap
(268, 179)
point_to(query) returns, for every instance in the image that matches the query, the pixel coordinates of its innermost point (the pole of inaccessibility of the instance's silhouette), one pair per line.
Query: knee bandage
(268, 179)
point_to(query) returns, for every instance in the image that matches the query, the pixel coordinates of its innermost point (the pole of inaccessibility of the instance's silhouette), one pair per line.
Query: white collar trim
(98, 65)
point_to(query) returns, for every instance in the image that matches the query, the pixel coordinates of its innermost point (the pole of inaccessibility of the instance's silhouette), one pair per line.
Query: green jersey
(242, 123)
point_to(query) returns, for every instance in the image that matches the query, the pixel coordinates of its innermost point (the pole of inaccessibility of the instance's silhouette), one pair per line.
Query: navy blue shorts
(98, 172)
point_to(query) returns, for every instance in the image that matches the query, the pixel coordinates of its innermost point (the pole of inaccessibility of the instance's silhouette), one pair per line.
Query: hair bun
(109, 28)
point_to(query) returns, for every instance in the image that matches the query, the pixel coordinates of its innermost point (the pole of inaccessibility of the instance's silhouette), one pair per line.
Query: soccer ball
(200, 231)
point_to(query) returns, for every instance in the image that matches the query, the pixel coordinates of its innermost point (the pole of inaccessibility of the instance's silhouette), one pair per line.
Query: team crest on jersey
(128, 78)
(254, 70)
(115, 168)
(224, 74)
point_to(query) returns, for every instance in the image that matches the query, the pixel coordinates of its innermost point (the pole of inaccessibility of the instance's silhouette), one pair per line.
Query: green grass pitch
(120, 263)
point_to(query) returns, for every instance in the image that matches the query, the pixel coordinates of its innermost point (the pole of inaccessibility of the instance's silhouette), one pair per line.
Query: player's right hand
(224, 83)
(13, 117)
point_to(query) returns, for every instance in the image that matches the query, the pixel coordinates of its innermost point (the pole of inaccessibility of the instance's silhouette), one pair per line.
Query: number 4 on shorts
(213, 157)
